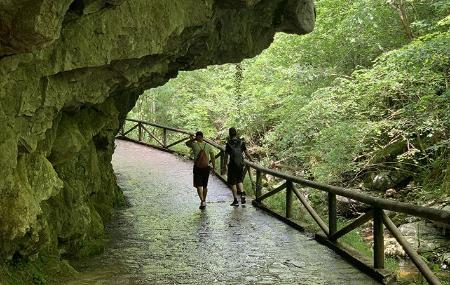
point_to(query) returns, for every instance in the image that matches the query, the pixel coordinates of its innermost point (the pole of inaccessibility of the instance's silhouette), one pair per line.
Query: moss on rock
(69, 73)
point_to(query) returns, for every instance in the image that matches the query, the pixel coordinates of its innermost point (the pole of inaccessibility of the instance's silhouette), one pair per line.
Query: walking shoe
(235, 203)
(202, 205)
(242, 199)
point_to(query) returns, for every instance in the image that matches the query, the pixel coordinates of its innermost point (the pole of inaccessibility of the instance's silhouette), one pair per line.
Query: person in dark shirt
(235, 148)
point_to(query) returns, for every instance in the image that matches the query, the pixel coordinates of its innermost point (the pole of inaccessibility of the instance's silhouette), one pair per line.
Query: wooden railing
(330, 232)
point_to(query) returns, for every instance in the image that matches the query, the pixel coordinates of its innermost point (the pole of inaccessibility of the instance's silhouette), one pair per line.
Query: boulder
(388, 179)
(446, 259)
(350, 208)
(390, 193)
(381, 182)
(423, 237)
(444, 227)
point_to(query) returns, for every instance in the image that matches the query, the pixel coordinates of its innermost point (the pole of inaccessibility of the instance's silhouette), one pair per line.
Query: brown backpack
(202, 159)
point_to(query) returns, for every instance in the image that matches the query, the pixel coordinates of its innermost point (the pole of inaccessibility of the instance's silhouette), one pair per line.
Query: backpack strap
(238, 142)
(200, 147)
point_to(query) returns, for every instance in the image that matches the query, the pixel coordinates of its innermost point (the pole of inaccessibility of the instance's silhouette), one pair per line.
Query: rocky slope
(70, 70)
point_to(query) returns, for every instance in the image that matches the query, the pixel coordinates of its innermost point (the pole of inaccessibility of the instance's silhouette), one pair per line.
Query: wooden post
(332, 216)
(140, 131)
(378, 239)
(289, 200)
(165, 138)
(258, 183)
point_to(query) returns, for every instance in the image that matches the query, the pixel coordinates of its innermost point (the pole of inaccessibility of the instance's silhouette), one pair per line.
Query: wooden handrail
(401, 207)
(332, 233)
(381, 203)
(160, 126)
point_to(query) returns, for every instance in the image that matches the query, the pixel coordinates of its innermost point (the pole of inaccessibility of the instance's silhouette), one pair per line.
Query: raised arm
(247, 154)
(190, 142)
(212, 157)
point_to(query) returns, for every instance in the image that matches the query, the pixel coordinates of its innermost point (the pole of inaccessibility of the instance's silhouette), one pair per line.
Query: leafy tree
(366, 92)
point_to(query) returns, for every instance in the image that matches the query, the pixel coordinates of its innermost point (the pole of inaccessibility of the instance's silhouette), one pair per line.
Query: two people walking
(204, 155)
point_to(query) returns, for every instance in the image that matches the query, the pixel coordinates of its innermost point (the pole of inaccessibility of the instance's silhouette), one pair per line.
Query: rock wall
(70, 70)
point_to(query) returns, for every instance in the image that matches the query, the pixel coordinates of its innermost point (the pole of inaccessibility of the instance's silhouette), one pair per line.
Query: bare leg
(241, 190)
(240, 186)
(200, 193)
(233, 189)
(205, 192)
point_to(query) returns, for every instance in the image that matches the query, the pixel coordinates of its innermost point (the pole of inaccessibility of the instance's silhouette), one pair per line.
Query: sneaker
(202, 205)
(235, 203)
(242, 199)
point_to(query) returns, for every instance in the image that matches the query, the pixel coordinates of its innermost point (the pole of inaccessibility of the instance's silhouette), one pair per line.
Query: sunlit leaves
(334, 102)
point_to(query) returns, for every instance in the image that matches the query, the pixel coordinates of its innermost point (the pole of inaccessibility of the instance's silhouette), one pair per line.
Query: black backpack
(236, 157)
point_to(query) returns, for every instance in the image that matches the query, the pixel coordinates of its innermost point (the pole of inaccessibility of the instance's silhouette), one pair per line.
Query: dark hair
(199, 134)
(232, 132)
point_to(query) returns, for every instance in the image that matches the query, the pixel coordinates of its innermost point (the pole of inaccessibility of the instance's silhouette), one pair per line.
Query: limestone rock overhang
(70, 71)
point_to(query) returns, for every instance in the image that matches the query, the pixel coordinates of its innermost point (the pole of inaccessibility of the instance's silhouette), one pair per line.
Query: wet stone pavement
(163, 238)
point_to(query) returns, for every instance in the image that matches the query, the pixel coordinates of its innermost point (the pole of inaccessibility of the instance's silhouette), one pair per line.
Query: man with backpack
(203, 153)
(235, 148)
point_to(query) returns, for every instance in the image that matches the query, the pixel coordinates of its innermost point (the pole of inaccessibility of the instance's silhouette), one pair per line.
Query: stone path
(163, 238)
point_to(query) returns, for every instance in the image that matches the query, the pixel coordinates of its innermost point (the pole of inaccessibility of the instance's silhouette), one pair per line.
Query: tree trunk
(239, 76)
(399, 6)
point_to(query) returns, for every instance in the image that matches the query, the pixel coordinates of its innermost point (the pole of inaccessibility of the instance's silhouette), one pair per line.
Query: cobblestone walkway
(163, 238)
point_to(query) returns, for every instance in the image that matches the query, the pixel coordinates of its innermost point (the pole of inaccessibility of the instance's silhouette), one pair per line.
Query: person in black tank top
(236, 148)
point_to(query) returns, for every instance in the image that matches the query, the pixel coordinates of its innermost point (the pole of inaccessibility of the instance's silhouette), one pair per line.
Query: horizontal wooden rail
(401, 207)
(332, 234)
(161, 126)
(177, 142)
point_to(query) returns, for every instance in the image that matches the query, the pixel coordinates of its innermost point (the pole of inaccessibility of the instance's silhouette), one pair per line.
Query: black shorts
(201, 176)
(235, 174)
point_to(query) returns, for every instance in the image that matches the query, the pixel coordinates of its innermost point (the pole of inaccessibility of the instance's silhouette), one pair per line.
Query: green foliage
(403, 97)
(44, 270)
(178, 103)
(355, 96)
